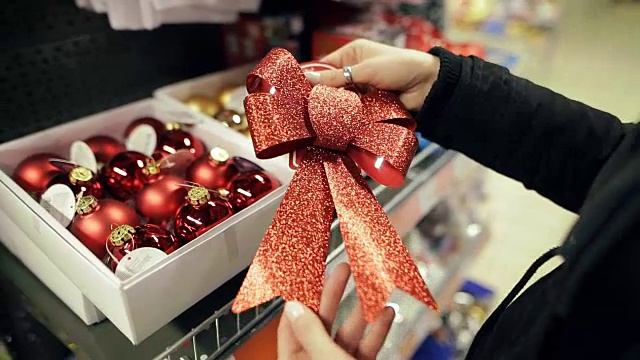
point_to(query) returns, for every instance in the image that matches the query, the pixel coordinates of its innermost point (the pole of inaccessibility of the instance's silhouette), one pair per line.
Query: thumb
(362, 73)
(311, 334)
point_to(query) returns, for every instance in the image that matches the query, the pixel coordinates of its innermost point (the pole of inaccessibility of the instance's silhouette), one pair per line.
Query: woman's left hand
(305, 335)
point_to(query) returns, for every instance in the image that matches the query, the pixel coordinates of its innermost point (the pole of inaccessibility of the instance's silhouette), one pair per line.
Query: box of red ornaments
(115, 211)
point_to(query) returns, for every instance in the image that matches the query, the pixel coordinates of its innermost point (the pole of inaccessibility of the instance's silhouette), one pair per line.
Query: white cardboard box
(142, 304)
(23, 248)
(209, 85)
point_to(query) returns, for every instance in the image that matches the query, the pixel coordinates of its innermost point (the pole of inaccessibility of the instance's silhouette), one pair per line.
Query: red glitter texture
(340, 133)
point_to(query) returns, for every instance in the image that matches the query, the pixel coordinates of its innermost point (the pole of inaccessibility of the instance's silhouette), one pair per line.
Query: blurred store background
(62, 60)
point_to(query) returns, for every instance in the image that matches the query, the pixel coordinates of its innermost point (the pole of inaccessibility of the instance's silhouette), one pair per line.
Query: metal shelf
(198, 333)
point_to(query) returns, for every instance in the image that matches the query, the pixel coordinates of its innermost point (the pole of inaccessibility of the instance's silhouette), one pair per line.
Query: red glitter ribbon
(340, 133)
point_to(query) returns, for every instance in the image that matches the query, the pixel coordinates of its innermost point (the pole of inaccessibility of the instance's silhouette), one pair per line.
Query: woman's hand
(304, 335)
(409, 72)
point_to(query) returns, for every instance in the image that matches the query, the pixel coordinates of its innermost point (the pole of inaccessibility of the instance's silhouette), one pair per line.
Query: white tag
(137, 261)
(60, 202)
(236, 99)
(81, 154)
(142, 139)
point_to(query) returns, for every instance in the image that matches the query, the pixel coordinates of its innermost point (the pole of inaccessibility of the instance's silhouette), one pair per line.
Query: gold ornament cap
(219, 155)
(198, 196)
(86, 204)
(122, 234)
(152, 168)
(173, 126)
(80, 173)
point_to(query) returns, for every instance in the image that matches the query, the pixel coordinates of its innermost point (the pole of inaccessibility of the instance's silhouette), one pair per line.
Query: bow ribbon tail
(290, 261)
(379, 260)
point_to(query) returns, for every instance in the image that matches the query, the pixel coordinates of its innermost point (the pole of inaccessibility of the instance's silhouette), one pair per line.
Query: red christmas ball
(248, 187)
(95, 218)
(174, 138)
(34, 173)
(156, 124)
(203, 210)
(216, 169)
(124, 175)
(159, 200)
(104, 147)
(125, 238)
(81, 181)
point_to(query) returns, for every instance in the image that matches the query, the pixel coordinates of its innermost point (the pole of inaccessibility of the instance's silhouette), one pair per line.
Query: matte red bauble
(34, 173)
(216, 169)
(203, 210)
(95, 218)
(125, 174)
(81, 181)
(156, 124)
(249, 187)
(125, 238)
(174, 138)
(104, 147)
(159, 200)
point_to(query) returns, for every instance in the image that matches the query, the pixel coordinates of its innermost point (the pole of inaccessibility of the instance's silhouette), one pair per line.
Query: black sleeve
(553, 145)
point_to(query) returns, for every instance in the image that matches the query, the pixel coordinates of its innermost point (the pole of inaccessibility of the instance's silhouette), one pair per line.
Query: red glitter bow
(340, 133)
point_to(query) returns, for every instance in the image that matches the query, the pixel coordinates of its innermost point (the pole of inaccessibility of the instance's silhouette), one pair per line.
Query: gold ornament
(233, 119)
(203, 104)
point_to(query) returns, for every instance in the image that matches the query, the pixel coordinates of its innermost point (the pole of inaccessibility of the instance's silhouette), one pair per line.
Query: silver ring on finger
(347, 72)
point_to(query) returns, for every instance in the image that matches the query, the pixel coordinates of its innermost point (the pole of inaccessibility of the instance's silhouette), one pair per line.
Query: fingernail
(293, 310)
(312, 76)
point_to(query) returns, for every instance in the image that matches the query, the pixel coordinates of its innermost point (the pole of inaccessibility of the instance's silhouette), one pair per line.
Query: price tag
(82, 155)
(60, 202)
(142, 139)
(137, 261)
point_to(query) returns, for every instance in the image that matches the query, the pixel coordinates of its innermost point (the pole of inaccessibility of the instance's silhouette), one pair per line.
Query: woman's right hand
(412, 73)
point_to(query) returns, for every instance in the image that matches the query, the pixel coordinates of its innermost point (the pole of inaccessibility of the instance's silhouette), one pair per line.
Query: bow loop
(276, 107)
(275, 128)
(384, 151)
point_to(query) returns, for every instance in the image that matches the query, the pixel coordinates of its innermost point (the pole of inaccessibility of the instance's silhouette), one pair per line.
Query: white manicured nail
(312, 76)
(293, 309)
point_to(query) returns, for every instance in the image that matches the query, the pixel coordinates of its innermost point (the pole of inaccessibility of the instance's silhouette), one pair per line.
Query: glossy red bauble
(156, 124)
(34, 173)
(81, 181)
(203, 210)
(95, 218)
(249, 187)
(216, 169)
(125, 174)
(175, 138)
(124, 239)
(159, 200)
(104, 147)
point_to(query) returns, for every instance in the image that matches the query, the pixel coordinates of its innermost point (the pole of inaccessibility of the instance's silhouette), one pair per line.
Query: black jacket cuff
(443, 88)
